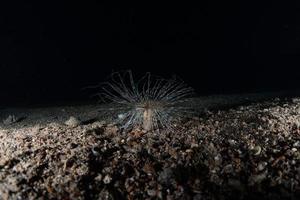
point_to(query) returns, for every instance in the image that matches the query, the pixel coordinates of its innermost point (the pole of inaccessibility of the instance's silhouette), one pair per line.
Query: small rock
(72, 122)
(232, 142)
(194, 145)
(98, 178)
(297, 155)
(256, 150)
(296, 144)
(121, 116)
(261, 166)
(107, 179)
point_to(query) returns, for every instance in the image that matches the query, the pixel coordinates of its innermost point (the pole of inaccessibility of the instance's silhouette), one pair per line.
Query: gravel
(247, 151)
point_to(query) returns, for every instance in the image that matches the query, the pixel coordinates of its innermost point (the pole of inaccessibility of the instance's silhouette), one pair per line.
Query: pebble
(261, 166)
(296, 144)
(99, 177)
(107, 179)
(256, 150)
(232, 142)
(73, 122)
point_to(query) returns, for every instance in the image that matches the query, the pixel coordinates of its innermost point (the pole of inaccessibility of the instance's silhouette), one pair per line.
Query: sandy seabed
(243, 152)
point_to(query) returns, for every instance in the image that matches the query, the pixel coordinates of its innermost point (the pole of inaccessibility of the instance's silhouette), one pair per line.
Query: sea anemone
(150, 103)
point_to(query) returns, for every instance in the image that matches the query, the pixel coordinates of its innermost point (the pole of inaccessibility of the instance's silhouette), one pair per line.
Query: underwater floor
(232, 149)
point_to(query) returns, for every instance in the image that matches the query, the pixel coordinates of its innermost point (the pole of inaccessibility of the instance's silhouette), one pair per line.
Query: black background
(49, 51)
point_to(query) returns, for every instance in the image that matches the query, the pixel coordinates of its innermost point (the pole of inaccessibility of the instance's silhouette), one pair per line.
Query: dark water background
(50, 51)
